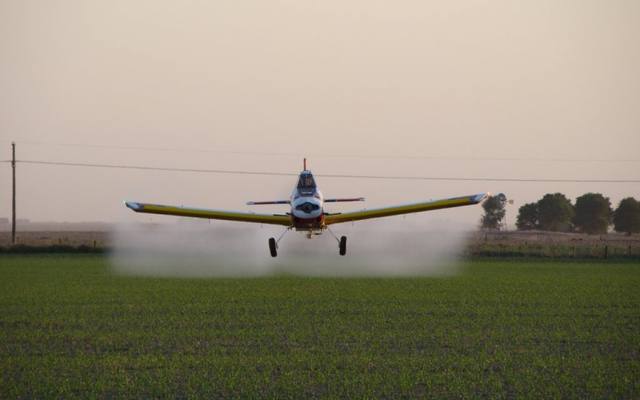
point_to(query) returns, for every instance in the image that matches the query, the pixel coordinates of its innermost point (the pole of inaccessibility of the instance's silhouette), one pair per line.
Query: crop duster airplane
(307, 211)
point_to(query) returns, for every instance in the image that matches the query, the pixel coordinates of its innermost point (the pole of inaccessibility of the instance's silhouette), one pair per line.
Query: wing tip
(479, 197)
(133, 205)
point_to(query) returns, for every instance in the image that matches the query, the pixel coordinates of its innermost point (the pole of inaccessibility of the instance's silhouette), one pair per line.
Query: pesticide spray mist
(375, 248)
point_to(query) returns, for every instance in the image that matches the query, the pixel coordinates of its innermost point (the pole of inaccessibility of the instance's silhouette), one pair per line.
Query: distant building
(23, 221)
(4, 221)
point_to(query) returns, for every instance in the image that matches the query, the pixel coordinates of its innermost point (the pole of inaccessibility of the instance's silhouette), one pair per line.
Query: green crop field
(499, 329)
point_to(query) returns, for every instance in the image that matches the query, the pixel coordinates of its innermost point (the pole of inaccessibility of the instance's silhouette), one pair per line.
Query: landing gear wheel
(343, 245)
(273, 247)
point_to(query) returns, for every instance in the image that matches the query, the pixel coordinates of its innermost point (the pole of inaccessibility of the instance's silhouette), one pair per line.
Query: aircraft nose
(307, 207)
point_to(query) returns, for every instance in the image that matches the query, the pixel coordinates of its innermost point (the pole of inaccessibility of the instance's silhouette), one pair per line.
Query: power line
(161, 149)
(424, 178)
(354, 156)
(345, 176)
(147, 168)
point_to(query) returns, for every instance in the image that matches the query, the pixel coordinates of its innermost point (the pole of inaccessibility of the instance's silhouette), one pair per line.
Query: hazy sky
(360, 87)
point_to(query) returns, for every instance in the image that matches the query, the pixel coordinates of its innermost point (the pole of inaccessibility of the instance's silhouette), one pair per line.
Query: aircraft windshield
(306, 183)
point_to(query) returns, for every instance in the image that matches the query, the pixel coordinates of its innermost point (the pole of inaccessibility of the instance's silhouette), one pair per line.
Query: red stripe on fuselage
(313, 223)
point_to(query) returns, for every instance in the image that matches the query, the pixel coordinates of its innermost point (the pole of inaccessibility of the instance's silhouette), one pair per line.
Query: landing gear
(273, 247)
(273, 243)
(342, 242)
(343, 245)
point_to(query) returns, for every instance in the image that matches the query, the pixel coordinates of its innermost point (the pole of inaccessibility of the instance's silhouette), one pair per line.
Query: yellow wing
(210, 214)
(405, 209)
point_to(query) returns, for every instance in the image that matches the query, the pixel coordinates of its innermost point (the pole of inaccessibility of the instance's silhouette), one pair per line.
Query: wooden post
(13, 203)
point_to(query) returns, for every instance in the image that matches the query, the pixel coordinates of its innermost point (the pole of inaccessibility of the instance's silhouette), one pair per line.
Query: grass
(501, 329)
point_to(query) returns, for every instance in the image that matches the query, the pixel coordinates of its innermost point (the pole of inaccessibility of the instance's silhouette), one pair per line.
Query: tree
(592, 213)
(527, 217)
(494, 211)
(626, 218)
(555, 213)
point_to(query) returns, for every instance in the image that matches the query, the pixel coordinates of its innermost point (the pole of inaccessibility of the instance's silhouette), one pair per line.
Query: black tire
(273, 247)
(343, 245)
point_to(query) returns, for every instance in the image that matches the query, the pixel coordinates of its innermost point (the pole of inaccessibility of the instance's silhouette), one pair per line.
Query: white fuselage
(307, 206)
(300, 205)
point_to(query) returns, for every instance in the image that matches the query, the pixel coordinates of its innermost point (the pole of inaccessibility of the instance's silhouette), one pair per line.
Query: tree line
(591, 213)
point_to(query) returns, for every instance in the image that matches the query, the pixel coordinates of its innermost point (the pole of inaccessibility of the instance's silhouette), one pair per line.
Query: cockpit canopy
(306, 184)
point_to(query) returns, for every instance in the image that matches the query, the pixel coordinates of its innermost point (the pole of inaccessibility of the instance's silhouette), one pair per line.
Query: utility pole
(13, 204)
